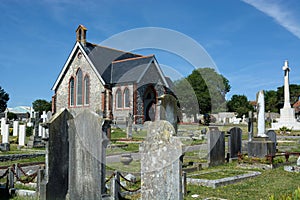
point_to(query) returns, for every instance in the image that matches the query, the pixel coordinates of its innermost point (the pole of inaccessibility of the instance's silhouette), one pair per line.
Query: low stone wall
(12, 157)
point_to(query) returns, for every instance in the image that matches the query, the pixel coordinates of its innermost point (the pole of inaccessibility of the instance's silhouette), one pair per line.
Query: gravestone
(22, 135)
(160, 163)
(235, 142)
(5, 136)
(3, 122)
(129, 126)
(216, 146)
(167, 109)
(272, 136)
(250, 126)
(15, 128)
(55, 183)
(87, 155)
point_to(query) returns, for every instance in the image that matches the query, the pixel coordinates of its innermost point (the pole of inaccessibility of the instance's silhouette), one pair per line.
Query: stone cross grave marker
(87, 156)
(160, 163)
(216, 146)
(235, 142)
(22, 134)
(15, 128)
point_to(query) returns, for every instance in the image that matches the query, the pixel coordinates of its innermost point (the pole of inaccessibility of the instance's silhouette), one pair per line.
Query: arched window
(79, 87)
(71, 92)
(126, 98)
(86, 90)
(119, 98)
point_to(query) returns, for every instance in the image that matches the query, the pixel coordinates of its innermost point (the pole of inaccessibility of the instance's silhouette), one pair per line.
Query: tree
(271, 103)
(239, 104)
(4, 97)
(41, 105)
(203, 91)
(294, 95)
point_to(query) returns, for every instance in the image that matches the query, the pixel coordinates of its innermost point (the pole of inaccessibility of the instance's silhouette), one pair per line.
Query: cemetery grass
(275, 182)
(27, 160)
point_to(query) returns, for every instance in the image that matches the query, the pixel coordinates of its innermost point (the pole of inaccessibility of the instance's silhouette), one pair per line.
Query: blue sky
(247, 41)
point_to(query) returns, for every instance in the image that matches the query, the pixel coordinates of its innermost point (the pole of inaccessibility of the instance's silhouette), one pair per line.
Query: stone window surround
(84, 75)
(122, 99)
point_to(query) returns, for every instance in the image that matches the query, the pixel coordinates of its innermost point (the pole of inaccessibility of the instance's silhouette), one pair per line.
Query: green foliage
(29, 131)
(271, 103)
(203, 91)
(4, 97)
(11, 116)
(239, 104)
(41, 105)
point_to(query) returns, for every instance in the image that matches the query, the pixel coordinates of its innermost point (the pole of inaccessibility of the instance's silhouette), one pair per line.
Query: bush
(29, 131)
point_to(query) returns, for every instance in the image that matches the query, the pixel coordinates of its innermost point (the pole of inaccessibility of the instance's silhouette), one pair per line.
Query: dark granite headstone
(216, 146)
(235, 142)
(272, 136)
(87, 141)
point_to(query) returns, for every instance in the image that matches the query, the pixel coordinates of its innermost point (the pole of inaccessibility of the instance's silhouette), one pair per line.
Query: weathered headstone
(216, 146)
(87, 156)
(129, 126)
(22, 135)
(272, 136)
(55, 184)
(40, 130)
(167, 109)
(235, 142)
(15, 128)
(160, 163)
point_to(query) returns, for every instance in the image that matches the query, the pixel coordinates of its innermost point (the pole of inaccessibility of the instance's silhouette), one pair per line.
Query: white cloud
(282, 15)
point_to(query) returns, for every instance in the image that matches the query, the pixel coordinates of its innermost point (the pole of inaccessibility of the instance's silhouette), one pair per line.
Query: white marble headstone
(5, 136)
(22, 135)
(15, 128)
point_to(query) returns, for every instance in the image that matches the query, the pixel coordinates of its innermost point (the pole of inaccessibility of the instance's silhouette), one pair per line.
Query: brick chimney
(81, 34)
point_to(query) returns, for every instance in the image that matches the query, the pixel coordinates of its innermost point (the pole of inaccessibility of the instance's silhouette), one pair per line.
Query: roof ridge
(135, 58)
(114, 49)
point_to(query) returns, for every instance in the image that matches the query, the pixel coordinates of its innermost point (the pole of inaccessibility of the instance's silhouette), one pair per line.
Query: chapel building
(110, 82)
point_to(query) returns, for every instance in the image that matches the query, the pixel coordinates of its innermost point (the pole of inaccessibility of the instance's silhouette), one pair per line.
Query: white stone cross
(44, 116)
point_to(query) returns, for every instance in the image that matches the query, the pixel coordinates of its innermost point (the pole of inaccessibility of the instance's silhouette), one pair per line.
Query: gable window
(119, 98)
(86, 90)
(79, 87)
(71, 92)
(126, 98)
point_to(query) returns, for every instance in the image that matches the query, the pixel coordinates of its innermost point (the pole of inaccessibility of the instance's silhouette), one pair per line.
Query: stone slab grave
(235, 142)
(87, 155)
(216, 146)
(160, 163)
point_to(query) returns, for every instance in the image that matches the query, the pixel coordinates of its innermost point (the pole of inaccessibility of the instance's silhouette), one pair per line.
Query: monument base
(287, 119)
(260, 147)
(4, 147)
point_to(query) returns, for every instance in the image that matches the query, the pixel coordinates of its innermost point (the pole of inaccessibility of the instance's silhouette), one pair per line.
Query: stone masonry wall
(96, 87)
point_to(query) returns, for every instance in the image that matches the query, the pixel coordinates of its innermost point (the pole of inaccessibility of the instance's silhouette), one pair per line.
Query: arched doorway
(149, 102)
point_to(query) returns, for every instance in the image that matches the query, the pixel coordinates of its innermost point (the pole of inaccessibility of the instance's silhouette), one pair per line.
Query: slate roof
(129, 70)
(102, 58)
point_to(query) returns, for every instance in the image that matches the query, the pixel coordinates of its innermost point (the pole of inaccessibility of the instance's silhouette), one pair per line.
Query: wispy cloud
(283, 16)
